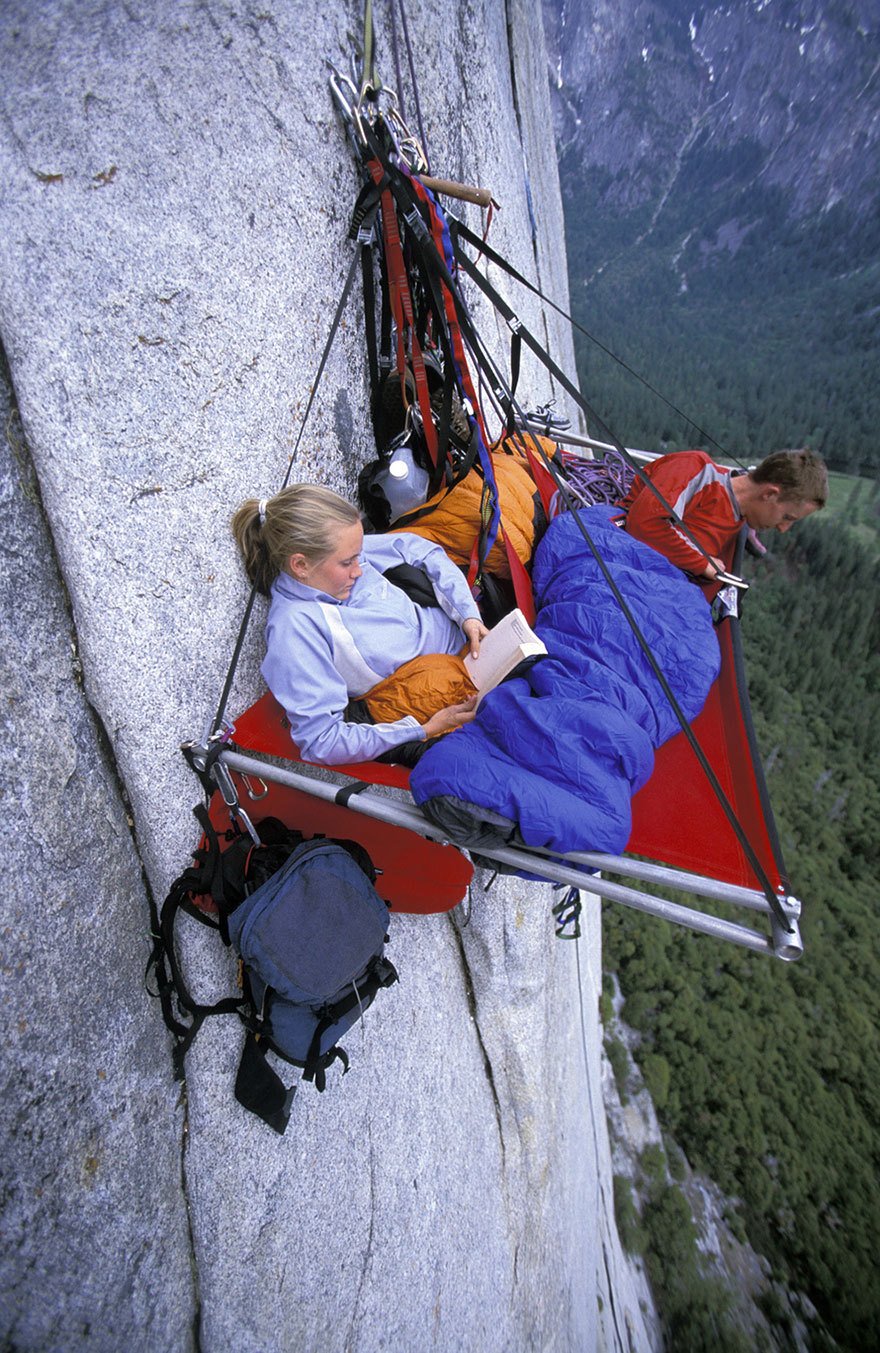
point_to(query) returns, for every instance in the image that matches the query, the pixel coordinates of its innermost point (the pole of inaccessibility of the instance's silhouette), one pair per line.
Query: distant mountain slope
(722, 181)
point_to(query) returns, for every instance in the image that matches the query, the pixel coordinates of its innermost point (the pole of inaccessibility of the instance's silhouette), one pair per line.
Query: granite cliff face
(174, 210)
(737, 93)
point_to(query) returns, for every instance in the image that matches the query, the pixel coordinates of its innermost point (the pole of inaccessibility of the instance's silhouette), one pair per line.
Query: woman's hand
(453, 716)
(474, 631)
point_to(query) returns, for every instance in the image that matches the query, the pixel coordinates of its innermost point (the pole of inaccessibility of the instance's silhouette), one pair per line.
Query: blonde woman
(339, 631)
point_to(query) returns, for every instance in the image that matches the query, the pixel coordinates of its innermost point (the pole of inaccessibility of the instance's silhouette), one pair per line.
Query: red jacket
(699, 492)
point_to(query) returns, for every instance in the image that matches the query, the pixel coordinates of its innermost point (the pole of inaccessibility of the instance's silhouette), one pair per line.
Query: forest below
(766, 341)
(767, 1076)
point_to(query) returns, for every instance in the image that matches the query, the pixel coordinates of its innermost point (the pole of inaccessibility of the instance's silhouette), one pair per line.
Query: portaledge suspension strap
(404, 188)
(516, 326)
(248, 610)
(459, 228)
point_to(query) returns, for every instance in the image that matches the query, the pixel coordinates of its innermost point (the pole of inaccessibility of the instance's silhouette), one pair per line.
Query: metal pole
(684, 882)
(699, 921)
(561, 870)
(591, 444)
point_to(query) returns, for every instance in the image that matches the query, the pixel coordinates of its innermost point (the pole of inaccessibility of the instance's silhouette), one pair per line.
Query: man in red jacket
(713, 502)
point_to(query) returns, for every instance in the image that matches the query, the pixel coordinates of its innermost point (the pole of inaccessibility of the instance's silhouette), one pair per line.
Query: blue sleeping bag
(559, 752)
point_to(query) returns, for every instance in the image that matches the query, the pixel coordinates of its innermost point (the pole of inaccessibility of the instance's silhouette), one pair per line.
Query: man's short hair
(800, 475)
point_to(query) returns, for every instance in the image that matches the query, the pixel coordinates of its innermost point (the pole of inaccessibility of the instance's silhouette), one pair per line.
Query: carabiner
(348, 107)
(253, 794)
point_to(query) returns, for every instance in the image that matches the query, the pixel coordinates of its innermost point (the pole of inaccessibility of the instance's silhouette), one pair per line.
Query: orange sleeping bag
(422, 687)
(454, 520)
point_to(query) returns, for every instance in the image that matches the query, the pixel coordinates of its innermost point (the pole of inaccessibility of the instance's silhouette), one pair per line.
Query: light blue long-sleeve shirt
(321, 652)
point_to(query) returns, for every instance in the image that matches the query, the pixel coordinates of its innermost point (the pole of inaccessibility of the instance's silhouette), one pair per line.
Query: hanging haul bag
(310, 930)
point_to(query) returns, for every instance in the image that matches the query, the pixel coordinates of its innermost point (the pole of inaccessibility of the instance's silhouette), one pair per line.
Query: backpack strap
(381, 973)
(168, 979)
(184, 1034)
(259, 1089)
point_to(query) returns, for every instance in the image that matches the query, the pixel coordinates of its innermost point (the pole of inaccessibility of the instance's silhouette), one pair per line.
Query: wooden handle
(464, 191)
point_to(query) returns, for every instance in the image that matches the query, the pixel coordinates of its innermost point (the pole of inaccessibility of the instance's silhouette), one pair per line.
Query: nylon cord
(248, 610)
(395, 52)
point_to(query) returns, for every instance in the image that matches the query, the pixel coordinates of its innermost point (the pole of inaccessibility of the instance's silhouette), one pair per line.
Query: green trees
(694, 1307)
(774, 1071)
(765, 333)
(772, 344)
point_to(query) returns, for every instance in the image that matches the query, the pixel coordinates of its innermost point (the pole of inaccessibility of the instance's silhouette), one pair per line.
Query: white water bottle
(404, 483)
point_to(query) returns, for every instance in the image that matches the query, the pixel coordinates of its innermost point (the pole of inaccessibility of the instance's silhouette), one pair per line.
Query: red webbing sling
(522, 585)
(403, 311)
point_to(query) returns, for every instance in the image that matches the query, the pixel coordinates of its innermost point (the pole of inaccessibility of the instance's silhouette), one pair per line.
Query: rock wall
(641, 84)
(174, 207)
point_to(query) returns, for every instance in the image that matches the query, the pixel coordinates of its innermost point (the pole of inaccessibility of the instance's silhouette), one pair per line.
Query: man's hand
(474, 631)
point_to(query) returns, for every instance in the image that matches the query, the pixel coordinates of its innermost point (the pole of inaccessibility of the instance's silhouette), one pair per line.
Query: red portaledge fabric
(415, 875)
(678, 820)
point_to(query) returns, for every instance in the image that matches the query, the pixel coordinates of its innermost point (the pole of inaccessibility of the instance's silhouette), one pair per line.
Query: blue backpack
(310, 930)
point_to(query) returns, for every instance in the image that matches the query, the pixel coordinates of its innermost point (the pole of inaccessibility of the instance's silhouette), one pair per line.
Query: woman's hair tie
(261, 508)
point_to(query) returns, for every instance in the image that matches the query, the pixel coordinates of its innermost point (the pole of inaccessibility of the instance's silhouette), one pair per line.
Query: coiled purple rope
(599, 481)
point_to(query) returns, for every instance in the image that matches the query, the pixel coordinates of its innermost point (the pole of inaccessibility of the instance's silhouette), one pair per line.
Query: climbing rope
(462, 230)
(220, 716)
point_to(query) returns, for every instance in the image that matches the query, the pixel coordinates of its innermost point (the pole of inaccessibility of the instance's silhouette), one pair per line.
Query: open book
(503, 648)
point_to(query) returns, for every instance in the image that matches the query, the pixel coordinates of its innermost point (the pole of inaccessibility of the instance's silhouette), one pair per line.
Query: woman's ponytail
(301, 519)
(247, 528)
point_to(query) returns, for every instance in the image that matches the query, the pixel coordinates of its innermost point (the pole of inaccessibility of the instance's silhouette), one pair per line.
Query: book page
(511, 640)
